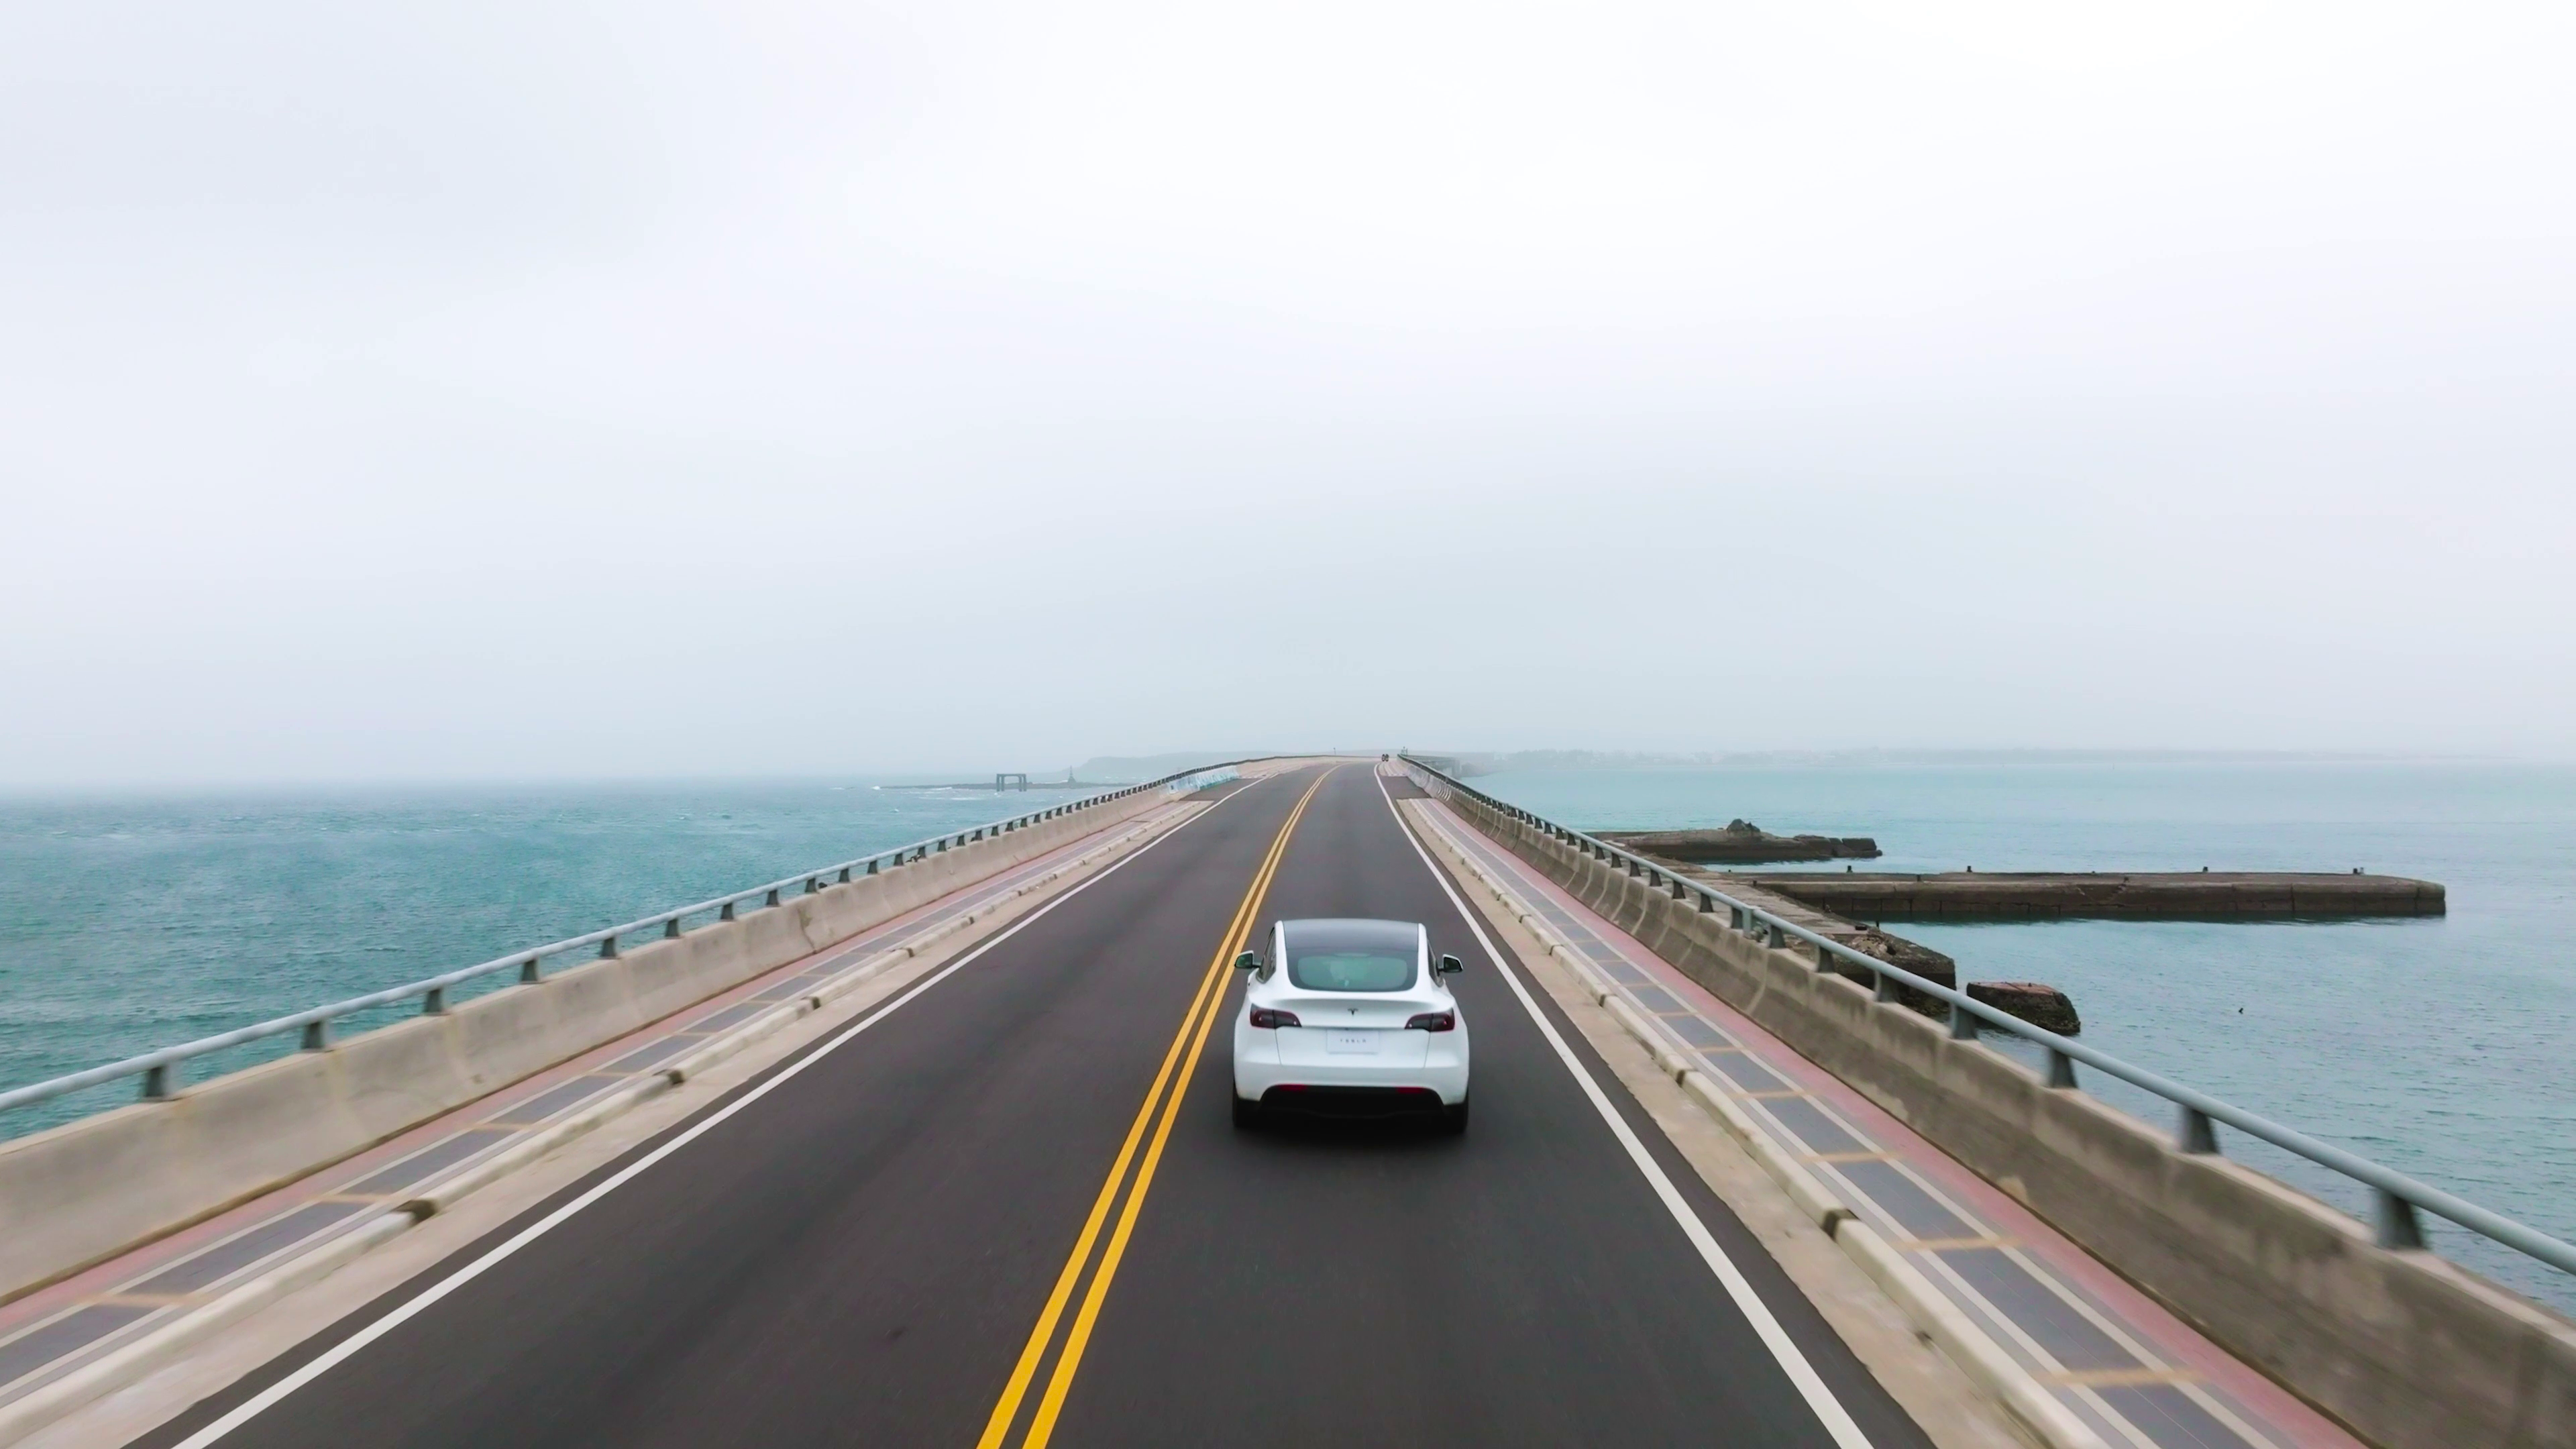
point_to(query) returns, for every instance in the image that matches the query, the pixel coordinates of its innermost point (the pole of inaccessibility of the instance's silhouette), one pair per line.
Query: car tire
(1453, 1120)
(1246, 1113)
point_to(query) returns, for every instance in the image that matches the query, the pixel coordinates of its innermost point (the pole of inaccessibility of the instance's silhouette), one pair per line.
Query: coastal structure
(1741, 842)
(2203, 895)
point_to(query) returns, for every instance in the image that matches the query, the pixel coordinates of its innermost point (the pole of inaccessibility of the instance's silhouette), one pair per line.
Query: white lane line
(1828, 1409)
(347, 1348)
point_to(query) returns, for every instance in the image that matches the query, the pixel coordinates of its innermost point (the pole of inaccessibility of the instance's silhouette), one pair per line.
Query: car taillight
(1433, 1021)
(1263, 1016)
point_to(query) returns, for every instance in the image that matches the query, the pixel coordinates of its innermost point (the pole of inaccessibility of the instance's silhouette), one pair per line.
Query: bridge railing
(2398, 1198)
(163, 1070)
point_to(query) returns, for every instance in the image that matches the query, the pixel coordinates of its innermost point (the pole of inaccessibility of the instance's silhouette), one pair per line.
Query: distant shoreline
(1496, 763)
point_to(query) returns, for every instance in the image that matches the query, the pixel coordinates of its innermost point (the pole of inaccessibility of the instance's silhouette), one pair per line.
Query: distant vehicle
(1350, 1018)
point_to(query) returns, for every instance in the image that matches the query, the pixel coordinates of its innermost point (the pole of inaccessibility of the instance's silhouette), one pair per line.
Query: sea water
(2444, 1047)
(130, 924)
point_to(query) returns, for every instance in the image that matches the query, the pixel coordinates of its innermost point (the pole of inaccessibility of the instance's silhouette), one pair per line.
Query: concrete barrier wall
(86, 1190)
(2407, 1350)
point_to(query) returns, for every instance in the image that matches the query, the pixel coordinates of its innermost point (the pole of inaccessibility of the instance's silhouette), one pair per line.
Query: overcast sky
(414, 389)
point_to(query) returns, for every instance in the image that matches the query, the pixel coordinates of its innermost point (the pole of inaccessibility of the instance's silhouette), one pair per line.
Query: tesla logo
(1354, 1011)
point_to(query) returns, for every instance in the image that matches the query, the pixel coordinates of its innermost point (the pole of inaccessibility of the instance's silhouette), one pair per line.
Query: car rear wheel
(1453, 1120)
(1246, 1113)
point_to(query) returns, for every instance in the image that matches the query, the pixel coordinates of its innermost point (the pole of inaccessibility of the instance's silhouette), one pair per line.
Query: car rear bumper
(1256, 1081)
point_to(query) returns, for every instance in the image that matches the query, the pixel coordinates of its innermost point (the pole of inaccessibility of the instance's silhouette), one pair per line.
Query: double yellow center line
(1171, 1083)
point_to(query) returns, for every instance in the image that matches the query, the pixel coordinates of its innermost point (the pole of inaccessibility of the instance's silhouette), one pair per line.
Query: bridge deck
(863, 1242)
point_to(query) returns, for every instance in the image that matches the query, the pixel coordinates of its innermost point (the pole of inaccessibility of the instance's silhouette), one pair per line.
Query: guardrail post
(317, 1036)
(608, 949)
(1963, 1023)
(434, 1002)
(772, 898)
(671, 929)
(1774, 937)
(1676, 884)
(1882, 987)
(161, 1083)
(1707, 903)
(533, 970)
(813, 884)
(2196, 1134)
(845, 875)
(2061, 1069)
(727, 913)
(2399, 1227)
(872, 867)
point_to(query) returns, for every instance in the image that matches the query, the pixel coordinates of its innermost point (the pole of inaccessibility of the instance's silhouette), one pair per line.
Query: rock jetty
(1741, 843)
(2044, 1007)
(2200, 895)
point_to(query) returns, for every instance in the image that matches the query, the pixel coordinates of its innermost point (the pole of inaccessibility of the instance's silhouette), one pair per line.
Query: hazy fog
(419, 390)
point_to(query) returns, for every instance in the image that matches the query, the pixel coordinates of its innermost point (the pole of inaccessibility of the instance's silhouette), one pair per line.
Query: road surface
(985, 1215)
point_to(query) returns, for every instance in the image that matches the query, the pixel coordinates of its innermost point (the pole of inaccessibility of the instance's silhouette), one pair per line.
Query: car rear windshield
(1349, 968)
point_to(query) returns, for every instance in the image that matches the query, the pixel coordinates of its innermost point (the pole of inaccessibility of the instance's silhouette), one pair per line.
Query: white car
(1349, 1018)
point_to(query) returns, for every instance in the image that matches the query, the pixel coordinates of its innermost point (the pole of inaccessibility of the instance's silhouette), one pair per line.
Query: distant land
(1130, 769)
(1134, 769)
(1487, 762)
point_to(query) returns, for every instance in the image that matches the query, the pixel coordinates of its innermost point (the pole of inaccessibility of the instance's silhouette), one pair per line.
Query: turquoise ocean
(2443, 1047)
(134, 923)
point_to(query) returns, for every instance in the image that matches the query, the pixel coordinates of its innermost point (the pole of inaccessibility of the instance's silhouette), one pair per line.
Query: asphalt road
(916, 1237)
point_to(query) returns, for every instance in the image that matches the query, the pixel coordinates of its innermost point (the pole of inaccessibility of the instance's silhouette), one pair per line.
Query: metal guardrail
(162, 1070)
(2398, 1196)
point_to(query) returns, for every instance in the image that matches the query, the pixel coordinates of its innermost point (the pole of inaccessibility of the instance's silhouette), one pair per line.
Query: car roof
(1346, 933)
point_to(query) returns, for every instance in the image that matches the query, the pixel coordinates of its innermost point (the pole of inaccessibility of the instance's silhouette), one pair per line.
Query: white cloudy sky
(519, 389)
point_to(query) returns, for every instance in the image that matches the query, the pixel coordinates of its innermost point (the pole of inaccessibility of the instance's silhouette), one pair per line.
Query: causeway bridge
(932, 1147)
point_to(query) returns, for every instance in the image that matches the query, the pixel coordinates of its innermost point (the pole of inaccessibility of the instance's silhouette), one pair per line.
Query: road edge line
(1831, 1416)
(51, 1402)
(1985, 1361)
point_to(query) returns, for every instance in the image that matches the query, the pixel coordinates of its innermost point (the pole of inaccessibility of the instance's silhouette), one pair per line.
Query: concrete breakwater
(2035, 1002)
(1741, 842)
(2107, 895)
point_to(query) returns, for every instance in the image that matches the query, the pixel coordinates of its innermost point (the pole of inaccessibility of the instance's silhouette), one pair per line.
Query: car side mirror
(1248, 961)
(1449, 966)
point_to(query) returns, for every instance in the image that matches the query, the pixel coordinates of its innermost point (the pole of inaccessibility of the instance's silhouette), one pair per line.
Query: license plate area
(1351, 1043)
